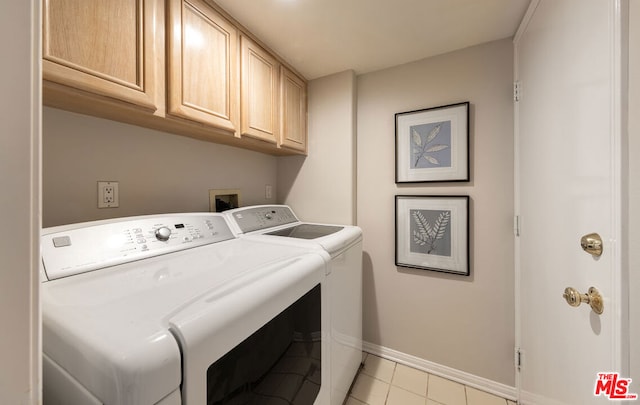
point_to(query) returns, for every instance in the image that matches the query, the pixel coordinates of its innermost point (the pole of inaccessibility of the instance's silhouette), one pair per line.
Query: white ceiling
(321, 37)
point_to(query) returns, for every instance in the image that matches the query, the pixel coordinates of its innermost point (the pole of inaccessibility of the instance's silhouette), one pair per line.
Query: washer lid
(307, 231)
(110, 328)
(334, 239)
(279, 223)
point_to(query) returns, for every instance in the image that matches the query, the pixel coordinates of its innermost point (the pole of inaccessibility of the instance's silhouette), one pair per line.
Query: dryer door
(213, 326)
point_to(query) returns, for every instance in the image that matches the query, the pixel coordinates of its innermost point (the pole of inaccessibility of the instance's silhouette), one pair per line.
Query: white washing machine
(173, 309)
(278, 224)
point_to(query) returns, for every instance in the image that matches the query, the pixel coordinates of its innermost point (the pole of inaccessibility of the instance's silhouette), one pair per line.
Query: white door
(568, 152)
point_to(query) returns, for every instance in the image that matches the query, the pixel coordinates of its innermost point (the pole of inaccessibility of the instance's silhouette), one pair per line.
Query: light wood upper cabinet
(202, 65)
(259, 92)
(293, 106)
(102, 47)
(180, 66)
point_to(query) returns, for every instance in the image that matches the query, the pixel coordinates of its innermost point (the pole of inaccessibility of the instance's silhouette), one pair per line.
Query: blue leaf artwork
(430, 232)
(430, 145)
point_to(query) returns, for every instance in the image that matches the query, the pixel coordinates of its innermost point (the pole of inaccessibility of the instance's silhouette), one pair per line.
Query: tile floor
(384, 382)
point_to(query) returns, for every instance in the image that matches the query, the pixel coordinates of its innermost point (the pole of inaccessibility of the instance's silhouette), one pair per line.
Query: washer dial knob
(163, 233)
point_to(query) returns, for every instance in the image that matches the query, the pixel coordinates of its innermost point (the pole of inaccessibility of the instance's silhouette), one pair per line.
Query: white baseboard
(449, 373)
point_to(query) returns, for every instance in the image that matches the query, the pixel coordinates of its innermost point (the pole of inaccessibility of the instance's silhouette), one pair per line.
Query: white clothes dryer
(278, 224)
(173, 309)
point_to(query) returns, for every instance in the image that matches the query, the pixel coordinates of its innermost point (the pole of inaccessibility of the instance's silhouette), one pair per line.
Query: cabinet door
(102, 47)
(202, 63)
(259, 92)
(293, 105)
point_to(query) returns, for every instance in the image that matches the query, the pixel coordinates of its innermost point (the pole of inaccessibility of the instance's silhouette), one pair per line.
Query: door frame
(633, 224)
(20, 113)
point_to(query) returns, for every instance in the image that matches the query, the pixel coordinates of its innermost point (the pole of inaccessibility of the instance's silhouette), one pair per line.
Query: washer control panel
(75, 249)
(262, 217)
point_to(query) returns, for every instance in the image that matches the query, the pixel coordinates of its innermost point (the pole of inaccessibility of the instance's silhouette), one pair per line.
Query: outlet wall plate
(108, 194)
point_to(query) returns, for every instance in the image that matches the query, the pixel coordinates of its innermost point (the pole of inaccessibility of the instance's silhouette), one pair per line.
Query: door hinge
(516, 225)
(518, 358)
(516, 91)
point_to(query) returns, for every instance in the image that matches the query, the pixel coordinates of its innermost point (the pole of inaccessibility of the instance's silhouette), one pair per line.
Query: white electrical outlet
(108, 195)
(268, 192)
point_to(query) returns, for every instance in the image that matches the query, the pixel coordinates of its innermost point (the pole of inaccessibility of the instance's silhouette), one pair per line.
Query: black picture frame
(432, 144)
(432, 233)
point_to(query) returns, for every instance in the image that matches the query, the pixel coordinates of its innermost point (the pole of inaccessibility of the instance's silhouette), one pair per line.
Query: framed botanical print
(432, 145)
(432, 233)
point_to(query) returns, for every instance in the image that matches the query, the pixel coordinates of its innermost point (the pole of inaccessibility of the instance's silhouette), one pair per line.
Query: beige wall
(634, 188)
(321, 187)
(157, 172)
(466, 323)
(19, 203)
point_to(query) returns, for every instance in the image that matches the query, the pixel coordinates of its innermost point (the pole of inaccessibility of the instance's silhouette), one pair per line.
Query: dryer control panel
(261, 217)
(74, 249)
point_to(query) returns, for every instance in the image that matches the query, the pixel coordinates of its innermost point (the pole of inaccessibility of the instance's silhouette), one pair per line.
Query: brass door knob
(592, 244)
(592, 297)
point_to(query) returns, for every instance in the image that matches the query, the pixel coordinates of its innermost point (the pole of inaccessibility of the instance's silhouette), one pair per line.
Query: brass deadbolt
(592, 244)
